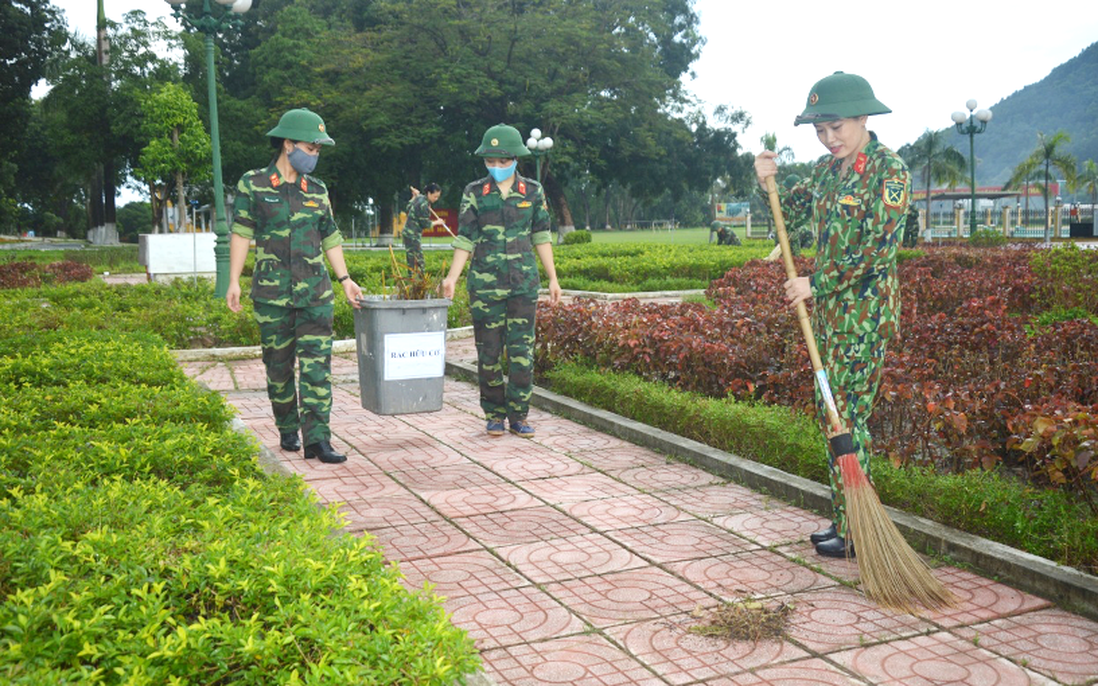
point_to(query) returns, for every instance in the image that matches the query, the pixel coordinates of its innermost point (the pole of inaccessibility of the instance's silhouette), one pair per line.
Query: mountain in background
(1066, 99)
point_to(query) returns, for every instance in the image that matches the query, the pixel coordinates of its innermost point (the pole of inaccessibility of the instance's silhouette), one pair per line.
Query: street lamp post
(539, 147)
(971, 124)
(210, 25)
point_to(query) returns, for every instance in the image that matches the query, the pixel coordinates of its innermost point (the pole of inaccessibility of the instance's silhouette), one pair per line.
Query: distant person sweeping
(856, 201)
(418, 221)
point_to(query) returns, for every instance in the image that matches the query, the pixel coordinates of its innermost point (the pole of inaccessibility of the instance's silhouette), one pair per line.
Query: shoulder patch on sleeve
(894, 192)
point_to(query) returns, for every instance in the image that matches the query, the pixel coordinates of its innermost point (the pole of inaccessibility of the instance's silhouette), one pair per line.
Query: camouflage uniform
(503, 284)
(292, 226)
(418, 220)
(859, 219)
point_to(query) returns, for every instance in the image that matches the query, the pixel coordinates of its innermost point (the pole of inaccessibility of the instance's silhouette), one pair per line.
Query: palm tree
(1046, 156)
(937, 161)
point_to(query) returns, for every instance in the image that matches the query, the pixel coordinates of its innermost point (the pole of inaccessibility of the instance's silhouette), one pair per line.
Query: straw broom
(892, 574)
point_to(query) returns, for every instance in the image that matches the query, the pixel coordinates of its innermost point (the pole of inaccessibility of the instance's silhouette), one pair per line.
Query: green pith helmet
(840, 96)
(791, 181)
(502, 141)
(302, 125)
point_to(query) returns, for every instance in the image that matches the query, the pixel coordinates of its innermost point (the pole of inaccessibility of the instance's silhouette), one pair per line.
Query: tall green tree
(1048, 155)
(936, 161)
(408, 87)
(178, 149)
(32, 31)
(1087, 181)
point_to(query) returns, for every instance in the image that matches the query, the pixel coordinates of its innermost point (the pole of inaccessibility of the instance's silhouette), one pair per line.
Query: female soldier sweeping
(856, 201)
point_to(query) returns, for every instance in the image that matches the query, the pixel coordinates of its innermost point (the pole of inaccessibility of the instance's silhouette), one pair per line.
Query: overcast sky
(923, 59)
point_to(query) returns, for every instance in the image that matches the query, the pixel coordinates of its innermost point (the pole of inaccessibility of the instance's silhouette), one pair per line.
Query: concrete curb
(1067, 587)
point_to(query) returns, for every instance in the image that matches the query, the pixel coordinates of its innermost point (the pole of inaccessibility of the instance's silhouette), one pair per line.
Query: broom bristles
(892, 574)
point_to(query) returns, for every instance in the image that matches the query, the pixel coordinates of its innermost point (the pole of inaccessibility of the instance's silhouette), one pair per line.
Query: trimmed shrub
(140, 542)
(576, 237)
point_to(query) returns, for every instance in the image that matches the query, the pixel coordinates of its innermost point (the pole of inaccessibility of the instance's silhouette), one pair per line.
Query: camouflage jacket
(500, 233)
(292, 225)
(419, 217)
(858, 218)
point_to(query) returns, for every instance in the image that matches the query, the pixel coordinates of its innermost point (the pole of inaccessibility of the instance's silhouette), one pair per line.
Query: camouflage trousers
(301, 336)
(854, 363)
(499, 326)
(413, 251)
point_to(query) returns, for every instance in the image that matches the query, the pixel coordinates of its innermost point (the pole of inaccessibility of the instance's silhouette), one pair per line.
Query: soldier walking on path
(286, 211)
(503, 222)
(856, 201)
(417, 221)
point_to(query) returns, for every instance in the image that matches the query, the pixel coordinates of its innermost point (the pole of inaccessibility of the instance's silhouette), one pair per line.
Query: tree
(32, 31)
(937, 162)
(178, 147)
(1046, 157)
(407, 87)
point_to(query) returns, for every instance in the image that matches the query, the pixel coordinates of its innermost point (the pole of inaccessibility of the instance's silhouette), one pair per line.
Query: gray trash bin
(401, 354)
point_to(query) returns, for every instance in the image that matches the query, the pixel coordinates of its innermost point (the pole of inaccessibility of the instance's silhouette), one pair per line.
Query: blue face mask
(301, 161)
(501, 174)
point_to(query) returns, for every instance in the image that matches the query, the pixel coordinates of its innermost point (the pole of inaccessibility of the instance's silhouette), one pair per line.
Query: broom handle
(802, 311)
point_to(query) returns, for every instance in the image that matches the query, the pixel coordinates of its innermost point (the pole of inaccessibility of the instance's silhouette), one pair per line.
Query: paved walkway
(578, 558)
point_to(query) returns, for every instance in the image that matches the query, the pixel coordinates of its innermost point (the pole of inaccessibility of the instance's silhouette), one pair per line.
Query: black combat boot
(323, 451)
(835, 547)
(289, 441)
(825, 535)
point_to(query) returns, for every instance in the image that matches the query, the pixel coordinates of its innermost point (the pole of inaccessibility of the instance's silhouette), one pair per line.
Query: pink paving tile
(387, 510)
(774, 525)
(571, 437)
(589, 660)
(680, 656)
(476, 500)
(570, 489)
(831, 619)
(569, 558)
(630, 596)
(423, 539)
(624, 512)
(454, 576)
(426, 480)
(683, 540)
(666, 477)
(511, 616)
(399, 455)
(722, 499)
(754, 573)
(512, 527)
(934, 659)
(1055, 643)
(981, 599)
(803, 552)
(617, 459)
(810, 672)
(346, 487)
(533, 464)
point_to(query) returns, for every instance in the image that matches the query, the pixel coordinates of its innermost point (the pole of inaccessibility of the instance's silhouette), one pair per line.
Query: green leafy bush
(1067, 278)
(986, 238)
(140, 543)
(576, 237)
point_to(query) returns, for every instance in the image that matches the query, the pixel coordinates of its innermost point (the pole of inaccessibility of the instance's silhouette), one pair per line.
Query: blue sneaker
(520, 428)
(495, 427)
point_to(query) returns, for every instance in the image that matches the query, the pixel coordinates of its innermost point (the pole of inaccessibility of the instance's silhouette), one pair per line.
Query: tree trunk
(555, 195)
(180, 205)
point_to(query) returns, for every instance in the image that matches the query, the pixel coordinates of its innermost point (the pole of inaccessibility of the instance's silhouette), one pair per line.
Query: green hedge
(989, 504)
(140, 543)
